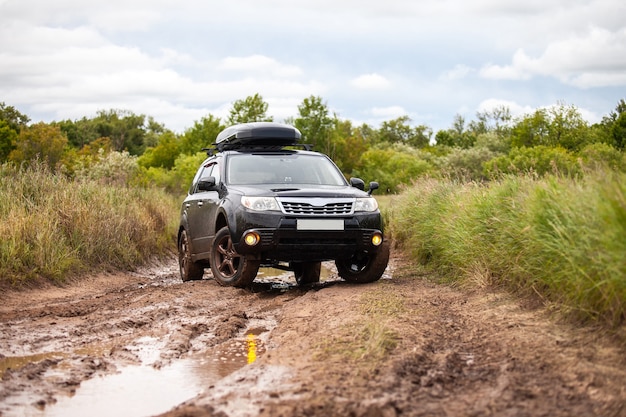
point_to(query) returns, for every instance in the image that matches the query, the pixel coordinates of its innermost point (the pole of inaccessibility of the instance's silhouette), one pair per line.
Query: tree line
(123, 146)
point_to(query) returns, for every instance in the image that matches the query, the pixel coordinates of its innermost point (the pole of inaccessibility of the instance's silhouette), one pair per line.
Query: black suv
(263, 199)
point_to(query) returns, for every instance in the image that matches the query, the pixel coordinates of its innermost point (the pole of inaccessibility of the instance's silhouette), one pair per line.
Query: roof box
(257, 134)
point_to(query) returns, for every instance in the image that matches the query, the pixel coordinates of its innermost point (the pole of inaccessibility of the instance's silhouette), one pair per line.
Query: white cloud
(597, 59)
(259, 63)
(391, 112)
(459, 72)
(371, 81)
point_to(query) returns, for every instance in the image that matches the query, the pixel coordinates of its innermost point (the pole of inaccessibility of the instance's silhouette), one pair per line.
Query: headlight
(260, 203)
(365, 204)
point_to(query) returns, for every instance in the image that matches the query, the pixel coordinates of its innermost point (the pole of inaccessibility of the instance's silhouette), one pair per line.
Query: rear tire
(364, 267)
(307, 272)
(189, 270)
(230, 268)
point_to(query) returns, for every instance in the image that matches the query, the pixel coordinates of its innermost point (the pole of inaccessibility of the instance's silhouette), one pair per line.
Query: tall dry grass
(561, 238)
(52, 226)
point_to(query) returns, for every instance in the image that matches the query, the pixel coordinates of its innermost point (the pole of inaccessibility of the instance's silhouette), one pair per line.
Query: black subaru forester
(263, 199)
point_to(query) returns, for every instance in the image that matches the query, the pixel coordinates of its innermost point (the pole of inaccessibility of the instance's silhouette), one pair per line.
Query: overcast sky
(370, 61)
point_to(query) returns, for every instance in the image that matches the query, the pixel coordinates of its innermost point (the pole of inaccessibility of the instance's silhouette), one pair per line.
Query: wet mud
(146, 344)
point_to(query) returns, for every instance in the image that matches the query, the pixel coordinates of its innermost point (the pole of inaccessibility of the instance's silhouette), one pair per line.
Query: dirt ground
(403, 346)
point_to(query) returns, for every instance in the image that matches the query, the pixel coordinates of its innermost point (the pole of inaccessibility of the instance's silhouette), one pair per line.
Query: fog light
(251, 238)
(377, 239)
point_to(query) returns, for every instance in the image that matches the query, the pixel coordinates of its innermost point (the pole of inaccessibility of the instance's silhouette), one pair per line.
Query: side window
(214, 172)
(203, 171)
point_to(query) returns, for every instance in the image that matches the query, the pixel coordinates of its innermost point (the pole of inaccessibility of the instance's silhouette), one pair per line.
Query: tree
(39, 141)
(615, 125)
(12, 117)
(8, 137)
(531, 130)
(163, 154)
(567, 127)
(11, 123)
(495, 120)
(457, 136)
(201, 135)
(399, 131)
(125, 129)
(251, 109)
(315, 124)
(559, 125)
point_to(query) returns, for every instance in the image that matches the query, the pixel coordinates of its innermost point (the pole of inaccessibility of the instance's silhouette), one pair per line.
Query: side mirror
(373, 186)
(206, 184)
(357, 183)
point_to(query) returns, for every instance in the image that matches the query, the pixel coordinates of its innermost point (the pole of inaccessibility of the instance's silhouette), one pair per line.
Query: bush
(392, 167)
(53, 227)
(562, 238)
(538, 160)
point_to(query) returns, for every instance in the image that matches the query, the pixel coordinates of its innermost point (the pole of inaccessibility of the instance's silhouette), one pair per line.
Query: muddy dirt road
(146, 344)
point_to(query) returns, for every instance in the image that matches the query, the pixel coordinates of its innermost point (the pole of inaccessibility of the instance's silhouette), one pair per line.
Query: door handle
(200, 203)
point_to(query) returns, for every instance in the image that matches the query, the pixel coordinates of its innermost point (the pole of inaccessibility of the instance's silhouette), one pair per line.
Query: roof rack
(254, 147)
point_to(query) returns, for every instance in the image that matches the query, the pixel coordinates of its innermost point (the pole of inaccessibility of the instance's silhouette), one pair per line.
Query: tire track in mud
(49, 346)
(454, 352)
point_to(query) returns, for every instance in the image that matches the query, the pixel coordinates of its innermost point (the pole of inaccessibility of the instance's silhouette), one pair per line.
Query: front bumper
(286, 242)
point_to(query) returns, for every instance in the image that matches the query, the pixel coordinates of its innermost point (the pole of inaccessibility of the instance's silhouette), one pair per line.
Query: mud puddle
(142, 390)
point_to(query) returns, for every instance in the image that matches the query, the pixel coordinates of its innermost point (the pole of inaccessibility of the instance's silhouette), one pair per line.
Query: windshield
(250, 169)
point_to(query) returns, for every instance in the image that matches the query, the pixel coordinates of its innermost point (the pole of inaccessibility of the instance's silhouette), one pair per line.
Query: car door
(201, 206)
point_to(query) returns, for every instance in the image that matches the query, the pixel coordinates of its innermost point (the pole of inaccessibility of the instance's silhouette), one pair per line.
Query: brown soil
(403, 346)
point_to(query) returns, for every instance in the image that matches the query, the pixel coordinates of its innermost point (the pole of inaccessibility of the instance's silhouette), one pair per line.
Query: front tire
(230, 268)
(189, 270)
(307, 272)
(364, 267)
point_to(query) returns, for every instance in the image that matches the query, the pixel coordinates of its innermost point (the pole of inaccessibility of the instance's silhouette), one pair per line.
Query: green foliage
(315, 124)
(457, 136)
(112, 168)
(557, 126)
(53, 227)
(398, 131)
(13, 117)
(163, 154)
(559, 237)
(392, 167)
(539, 160)
(8, 137)
(176, 180)
(465, 164)
(251, 109)
(601, 155)
(201, 135)
(41, 142)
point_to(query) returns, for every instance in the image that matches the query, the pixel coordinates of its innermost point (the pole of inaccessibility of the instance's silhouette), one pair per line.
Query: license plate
(319, 224)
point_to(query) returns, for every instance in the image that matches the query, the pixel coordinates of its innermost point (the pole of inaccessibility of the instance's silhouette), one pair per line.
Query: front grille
(309, 209)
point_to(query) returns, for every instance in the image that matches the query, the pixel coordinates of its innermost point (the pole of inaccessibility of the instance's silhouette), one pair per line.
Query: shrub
(559, 237)
(53, 227)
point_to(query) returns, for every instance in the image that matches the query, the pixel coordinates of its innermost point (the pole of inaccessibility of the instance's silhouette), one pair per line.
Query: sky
(370, 61)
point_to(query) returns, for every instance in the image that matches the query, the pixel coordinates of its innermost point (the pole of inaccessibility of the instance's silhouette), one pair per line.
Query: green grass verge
(53, 227)
(561, 238)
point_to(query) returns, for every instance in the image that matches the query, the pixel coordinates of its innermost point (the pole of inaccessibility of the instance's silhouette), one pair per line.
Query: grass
(53, 227)
(561, 238)
(371, 337)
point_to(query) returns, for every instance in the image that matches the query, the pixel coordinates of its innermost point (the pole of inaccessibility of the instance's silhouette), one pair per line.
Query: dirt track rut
(403, 346)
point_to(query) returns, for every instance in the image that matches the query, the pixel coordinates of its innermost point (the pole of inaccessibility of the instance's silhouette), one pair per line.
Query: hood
(296, 190)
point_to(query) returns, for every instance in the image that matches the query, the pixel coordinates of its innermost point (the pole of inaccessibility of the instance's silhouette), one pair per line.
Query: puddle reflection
(144, 390)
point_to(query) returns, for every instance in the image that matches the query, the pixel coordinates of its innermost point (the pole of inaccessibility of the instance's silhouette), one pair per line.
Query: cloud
(259, 63)
(596, 59)
(390, 112)
(371, 81)
(459, 72)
